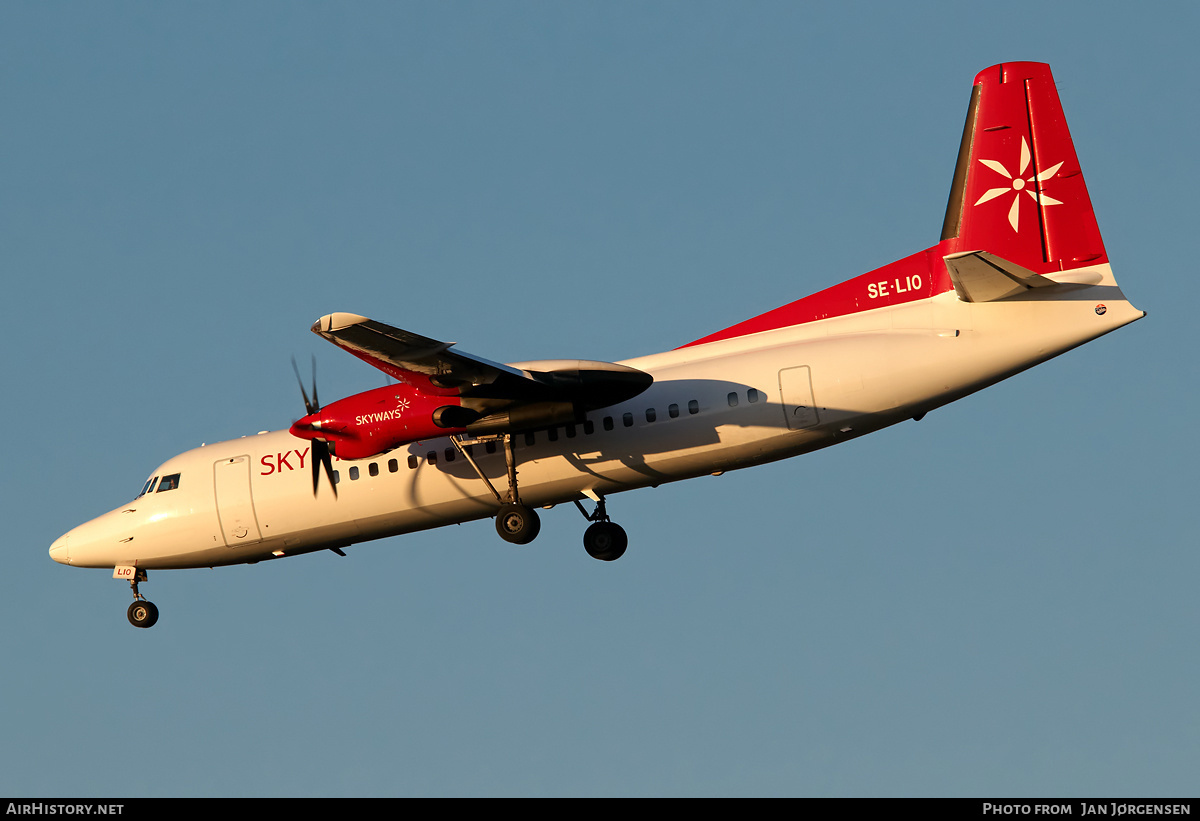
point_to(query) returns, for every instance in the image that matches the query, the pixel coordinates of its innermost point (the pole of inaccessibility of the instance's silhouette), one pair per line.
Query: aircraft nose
(58, 550)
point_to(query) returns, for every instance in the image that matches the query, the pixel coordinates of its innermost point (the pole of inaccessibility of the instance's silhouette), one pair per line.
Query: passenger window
(608, 423)
(752, 395)
(490, 447)
(589, 427)
(431, 457)
(651, 415)
(552, 434)
(412, 462)
(693, 406)
(627, 420)
(449, 454)
(393, 466)
(733, 400)
(354, 473)
(169, 482)
(337, 476)
(373, 469)
(529, 438)
(570, 429)
(673, 411)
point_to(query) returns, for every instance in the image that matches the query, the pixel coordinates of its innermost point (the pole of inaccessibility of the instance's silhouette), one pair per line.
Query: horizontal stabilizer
(982, 277)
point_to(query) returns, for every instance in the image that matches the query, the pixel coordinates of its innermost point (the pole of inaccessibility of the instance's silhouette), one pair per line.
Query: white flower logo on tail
(1019, 183)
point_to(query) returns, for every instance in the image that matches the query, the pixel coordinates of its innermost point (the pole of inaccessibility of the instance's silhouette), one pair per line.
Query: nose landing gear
(141, 613)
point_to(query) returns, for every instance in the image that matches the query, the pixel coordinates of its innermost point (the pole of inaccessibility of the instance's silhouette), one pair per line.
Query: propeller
(320, 448)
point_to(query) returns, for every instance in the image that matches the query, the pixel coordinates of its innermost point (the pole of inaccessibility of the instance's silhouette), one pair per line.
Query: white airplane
(1020, 275)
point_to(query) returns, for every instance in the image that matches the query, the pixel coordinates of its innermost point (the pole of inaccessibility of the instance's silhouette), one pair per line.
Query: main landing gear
(518, 523)
(141, 613)
(515, 522)
(604, 540)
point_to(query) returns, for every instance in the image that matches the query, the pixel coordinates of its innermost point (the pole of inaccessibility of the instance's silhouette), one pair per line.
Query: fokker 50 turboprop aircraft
(1020, 275)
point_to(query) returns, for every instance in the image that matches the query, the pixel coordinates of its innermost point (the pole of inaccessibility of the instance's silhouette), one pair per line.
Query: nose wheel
(141, 613)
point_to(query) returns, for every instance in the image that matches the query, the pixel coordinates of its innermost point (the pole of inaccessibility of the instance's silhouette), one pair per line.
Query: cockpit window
(148, 487)
(169, 482)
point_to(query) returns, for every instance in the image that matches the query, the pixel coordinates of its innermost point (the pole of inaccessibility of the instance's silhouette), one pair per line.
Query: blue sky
(998, 600)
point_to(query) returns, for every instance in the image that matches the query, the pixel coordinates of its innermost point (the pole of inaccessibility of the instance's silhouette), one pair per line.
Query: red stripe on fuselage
(916, 277)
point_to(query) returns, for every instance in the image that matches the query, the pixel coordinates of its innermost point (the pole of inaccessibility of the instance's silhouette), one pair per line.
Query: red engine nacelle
(377, 420)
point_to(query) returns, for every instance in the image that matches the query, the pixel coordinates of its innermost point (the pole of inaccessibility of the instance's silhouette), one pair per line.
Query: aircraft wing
(432, 367)
(426, 364)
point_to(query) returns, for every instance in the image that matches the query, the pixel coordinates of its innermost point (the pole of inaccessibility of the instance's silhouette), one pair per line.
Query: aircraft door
(235, 506)
(795, 389)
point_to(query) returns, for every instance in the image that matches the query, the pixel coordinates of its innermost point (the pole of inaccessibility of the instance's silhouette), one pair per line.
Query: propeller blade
(315, 457)
(319, 455)
(328, 463)
(316, 401)
(313, 406)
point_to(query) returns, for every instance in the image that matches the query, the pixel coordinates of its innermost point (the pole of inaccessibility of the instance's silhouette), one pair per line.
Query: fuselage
(712, 407)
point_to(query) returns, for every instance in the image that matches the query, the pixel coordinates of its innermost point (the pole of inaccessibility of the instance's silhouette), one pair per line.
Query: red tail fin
(1018, 191)
(1018, 196)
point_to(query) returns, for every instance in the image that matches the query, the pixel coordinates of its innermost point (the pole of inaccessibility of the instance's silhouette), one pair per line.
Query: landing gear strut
(515, 522)
(604, 539)
(518, 523)
(141, 613)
